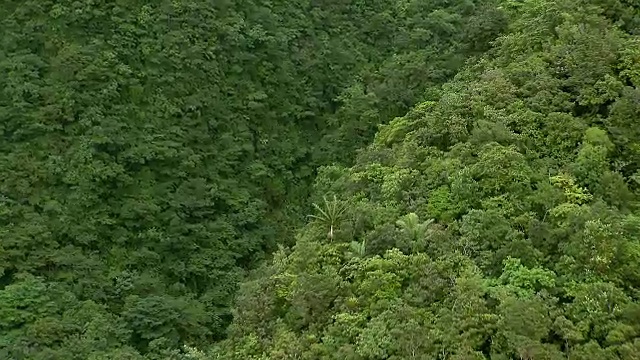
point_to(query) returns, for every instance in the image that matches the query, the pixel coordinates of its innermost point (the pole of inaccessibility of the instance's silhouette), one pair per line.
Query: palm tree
(329, 214)
(411, 225)
(358, 249)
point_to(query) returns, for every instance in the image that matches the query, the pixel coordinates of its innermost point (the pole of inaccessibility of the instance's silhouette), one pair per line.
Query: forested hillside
(320, 179)
(154, 151)
(498, 219)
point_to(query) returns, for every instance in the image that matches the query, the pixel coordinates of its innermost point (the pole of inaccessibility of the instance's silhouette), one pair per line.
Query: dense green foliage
(498, 219)
(152, 152)
(446, 179)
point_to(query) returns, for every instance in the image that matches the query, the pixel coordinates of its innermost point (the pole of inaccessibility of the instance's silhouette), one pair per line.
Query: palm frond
(329, 213)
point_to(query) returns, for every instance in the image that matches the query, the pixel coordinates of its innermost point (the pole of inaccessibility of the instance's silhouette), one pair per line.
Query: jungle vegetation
(320, 179)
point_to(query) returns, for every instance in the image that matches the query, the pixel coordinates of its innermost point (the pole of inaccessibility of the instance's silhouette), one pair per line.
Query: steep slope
(153, 151)
(431, 44)
(499, 219)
